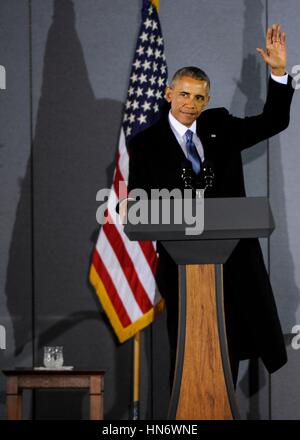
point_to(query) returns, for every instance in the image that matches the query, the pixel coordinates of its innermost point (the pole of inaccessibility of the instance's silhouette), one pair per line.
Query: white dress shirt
(280, 79)
(179, 131)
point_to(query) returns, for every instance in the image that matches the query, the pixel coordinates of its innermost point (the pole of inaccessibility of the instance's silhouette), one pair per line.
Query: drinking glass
(53, 357)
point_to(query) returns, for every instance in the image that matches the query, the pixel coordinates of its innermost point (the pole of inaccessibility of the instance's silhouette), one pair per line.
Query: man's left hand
(275, 52)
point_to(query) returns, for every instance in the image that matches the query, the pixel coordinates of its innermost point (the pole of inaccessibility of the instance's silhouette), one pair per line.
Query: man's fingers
(269, 36)
(279, 33)
(283, 38)
(276, 33)
(273, 33)
(263, 53)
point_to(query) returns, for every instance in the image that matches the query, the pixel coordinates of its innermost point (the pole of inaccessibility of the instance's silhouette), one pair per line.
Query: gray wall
(68, 64)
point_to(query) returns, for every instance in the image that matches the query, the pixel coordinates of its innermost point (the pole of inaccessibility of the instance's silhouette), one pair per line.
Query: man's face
(188, 98)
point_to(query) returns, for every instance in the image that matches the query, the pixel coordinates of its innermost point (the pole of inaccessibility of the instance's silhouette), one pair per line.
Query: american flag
(123, 272)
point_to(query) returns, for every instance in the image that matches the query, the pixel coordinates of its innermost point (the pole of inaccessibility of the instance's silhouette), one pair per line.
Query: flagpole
(137, 344)
(136, 375)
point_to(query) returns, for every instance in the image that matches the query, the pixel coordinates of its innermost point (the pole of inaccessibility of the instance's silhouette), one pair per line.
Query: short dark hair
(192, 72)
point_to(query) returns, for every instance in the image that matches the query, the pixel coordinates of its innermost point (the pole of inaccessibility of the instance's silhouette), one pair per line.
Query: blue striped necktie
(192, 153)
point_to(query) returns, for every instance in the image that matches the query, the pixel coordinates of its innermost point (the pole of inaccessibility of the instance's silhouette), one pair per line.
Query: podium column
(203, 387)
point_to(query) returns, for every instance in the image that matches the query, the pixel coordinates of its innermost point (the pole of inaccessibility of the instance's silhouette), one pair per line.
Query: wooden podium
(203, 387)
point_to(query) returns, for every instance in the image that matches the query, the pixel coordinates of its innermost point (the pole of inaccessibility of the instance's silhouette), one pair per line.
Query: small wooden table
(19, 379)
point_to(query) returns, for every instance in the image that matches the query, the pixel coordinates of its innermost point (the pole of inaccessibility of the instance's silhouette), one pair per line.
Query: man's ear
(168, 94)
(207, 101)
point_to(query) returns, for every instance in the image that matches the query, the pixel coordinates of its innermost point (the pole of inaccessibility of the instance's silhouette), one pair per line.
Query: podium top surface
(223, 218)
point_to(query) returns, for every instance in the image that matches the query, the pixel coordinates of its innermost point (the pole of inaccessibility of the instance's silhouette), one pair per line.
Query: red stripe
(146, 246)
(118, 178)
(110, 289)
(148, 250)
(117, 169)
(127, 265)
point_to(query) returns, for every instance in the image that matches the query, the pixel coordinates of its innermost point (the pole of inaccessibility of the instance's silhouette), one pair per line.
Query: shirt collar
(180, 128)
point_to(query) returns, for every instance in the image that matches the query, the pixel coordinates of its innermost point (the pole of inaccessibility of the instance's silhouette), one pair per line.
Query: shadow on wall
(1, 146)
(251, 86)
(75, 141)
(248, 100)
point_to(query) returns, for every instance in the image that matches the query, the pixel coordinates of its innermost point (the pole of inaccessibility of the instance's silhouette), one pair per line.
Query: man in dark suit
(190, 132)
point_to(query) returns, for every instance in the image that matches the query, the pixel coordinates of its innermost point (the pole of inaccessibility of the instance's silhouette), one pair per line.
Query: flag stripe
(119, 280)
(109, 285)
(128, 268)
(142, 253)
(150, 254)
(146, 246)
(123, 159)
(117, 181)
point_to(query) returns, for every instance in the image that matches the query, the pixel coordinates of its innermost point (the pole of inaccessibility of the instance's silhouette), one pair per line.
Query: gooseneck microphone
(187, 175)
(208, 174)
(205, 180)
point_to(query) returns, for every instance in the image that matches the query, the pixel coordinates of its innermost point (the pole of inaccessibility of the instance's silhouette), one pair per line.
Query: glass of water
(53, 357)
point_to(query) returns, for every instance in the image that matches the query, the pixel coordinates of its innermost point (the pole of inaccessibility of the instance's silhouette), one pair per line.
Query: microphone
(208, 174)
(205, 179)
(187, 175)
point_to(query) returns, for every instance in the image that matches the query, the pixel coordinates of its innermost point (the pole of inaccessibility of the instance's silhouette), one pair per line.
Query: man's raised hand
(275, 53)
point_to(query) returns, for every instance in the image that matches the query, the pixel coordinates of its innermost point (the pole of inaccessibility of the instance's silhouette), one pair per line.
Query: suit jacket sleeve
(137, 165)
(246, 132)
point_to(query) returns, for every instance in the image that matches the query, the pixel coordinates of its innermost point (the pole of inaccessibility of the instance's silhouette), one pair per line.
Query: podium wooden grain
(200, 379)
